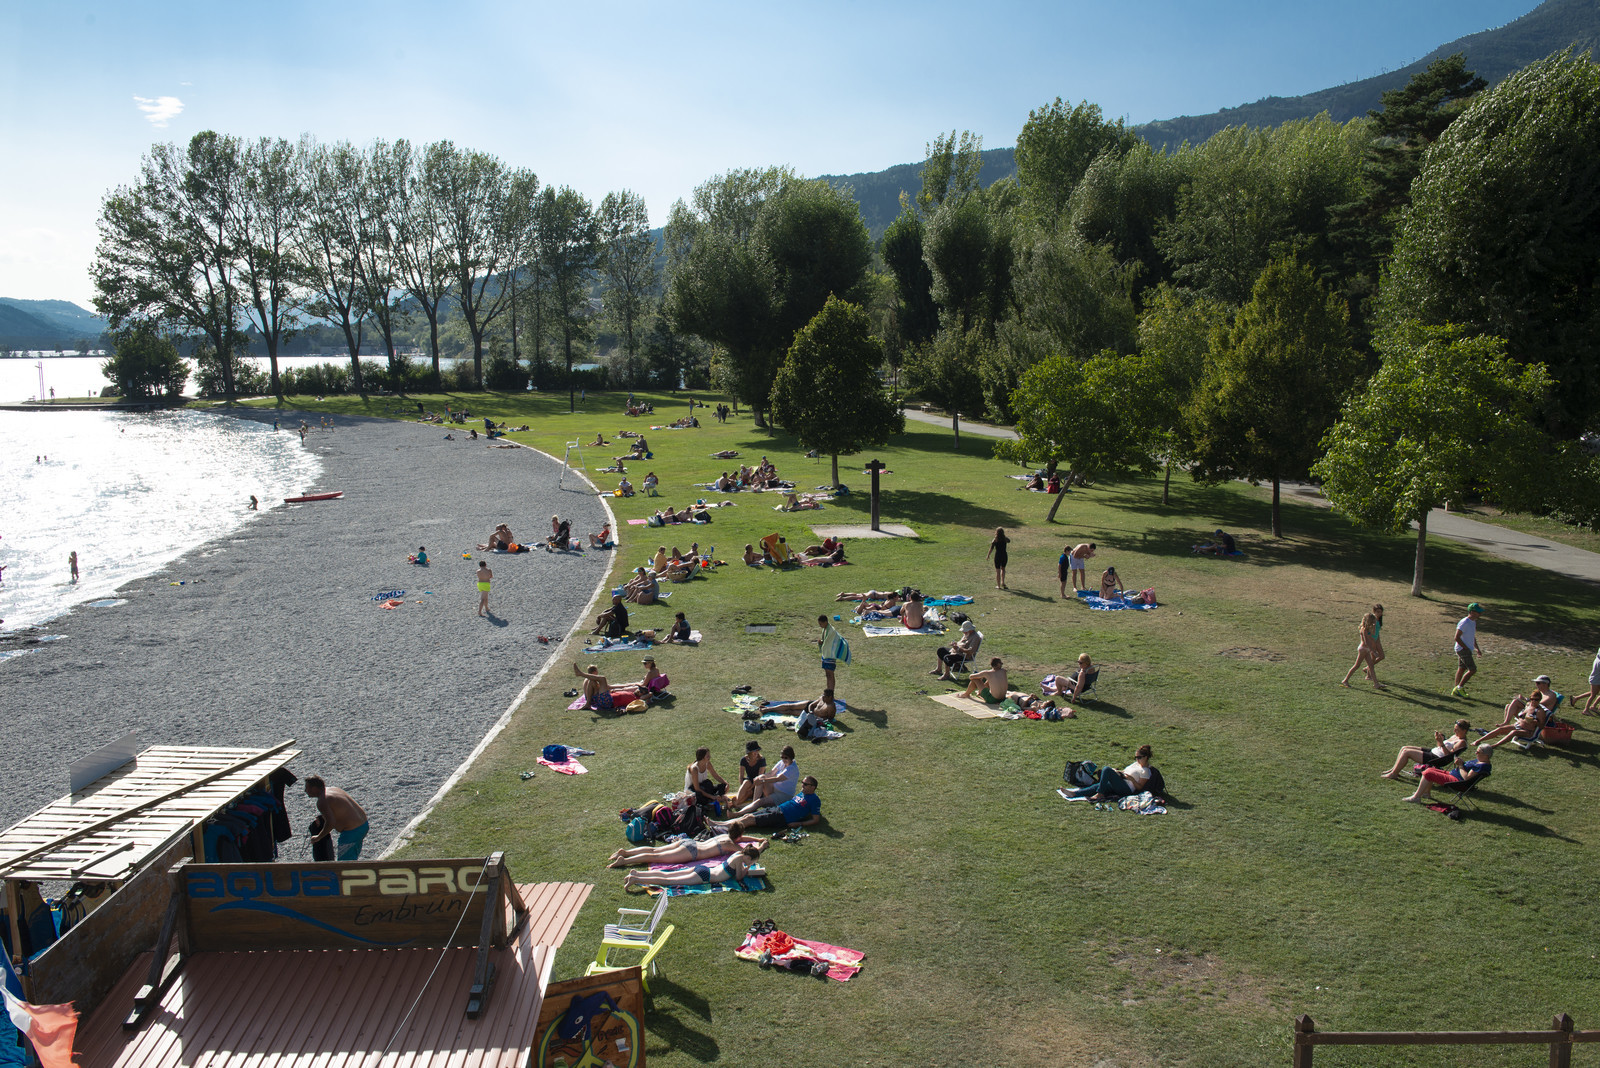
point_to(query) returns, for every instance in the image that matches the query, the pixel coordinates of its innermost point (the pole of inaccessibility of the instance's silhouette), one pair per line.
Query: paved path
(1496, 541)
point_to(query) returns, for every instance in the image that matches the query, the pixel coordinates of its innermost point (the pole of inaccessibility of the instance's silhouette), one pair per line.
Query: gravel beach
(275, 633)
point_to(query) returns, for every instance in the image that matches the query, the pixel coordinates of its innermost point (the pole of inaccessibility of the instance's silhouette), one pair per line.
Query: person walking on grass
(1466, 649)
(997, 549)
(485, 576)
(1364, 651)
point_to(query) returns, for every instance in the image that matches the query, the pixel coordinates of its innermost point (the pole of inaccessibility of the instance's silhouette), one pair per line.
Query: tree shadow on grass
(665, 1026)
(922, 506)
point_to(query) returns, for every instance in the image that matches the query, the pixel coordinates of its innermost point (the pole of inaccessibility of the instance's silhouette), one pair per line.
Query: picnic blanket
(565, 767)
(843, 964)
(1101, 604)
(896, 630)
(617, 645)
(944, 602)
(1145, 804)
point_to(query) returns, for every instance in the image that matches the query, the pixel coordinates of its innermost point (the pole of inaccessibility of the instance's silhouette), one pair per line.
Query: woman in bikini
(683, 851)
(1368, 632)
(736, 866)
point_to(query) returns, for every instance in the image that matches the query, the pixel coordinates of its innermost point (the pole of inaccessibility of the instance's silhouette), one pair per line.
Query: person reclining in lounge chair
(1465, 775)
(1443, 752)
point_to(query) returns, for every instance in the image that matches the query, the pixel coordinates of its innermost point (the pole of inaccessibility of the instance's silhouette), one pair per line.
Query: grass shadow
(677, 1035)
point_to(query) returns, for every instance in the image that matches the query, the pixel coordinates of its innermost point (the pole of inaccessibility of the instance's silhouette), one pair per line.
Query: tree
(827, 393)
(144, 362)
(918, 315)
(423, 251)
(1087, 414)
(480, 205)
(1124, 201)
(945, 371)
(1444, 414)
(1503, 232)
(1256, 195)
(329, 242)
(270, 211)
(383, 175)
(569, 246)
(1174, 335)
(167, 247)
(950, 171)
(1054, 150)
(1273, 383)
(1361, 233)
(628, 264)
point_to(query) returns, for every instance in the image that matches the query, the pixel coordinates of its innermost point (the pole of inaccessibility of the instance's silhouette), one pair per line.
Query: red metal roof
(340, 1008)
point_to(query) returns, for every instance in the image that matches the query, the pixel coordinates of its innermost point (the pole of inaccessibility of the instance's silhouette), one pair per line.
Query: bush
(503, 374)
(317, 380)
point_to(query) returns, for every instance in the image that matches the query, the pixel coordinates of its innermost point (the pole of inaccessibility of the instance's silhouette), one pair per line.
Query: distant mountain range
(47, 324)
(1492, 54)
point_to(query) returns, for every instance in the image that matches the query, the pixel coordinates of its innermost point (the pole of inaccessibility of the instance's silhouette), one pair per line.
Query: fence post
(1304, 1026)
(1561, 1048)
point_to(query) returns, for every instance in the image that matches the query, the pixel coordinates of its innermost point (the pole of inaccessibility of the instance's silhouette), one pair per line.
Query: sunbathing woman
(683, 851)
(736, 866)
(751, 557)
(1109, 584)
(726, 454)
(869, 595)
(1444, 748)
(599, 440)
(644, 587)
(828, 546)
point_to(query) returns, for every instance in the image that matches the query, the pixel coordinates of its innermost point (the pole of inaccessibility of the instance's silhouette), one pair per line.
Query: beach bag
(636, 706)
(753, 726)
(658, 684)
(1052, 714)
(637, 830)
(1147, 597)
(1081, 772)
(556, 754)
(654, 521)
(1156, 784)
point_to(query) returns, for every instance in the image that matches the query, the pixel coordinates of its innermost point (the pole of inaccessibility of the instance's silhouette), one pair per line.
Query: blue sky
(654, 97)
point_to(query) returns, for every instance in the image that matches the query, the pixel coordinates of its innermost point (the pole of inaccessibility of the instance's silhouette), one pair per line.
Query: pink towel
(638, 522)
(566, 767)
(843, 964)
(578, 705)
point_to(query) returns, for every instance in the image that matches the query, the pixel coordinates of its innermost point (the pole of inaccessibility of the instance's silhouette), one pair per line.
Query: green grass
(1003, 926)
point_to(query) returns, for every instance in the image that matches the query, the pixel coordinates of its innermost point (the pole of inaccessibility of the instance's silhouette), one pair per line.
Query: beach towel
(943, 602)
(637, 522)
(748, 885)
(821, 561)
(834, 647)
(974, 708)
(1100, 604)
(662, 596)
(884, 630)
(615, 645)
(565, 767)
(1146, 804)
(843, 964)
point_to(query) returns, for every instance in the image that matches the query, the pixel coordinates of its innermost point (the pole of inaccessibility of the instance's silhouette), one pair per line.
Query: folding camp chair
(646, 966)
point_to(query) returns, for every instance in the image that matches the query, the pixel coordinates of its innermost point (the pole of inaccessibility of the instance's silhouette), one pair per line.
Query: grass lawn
(1003, 925)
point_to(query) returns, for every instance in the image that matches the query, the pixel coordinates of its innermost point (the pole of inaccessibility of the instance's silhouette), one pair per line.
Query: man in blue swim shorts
(339, 813)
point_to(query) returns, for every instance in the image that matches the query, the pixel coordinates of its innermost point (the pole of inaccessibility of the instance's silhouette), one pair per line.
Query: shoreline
(276, 634)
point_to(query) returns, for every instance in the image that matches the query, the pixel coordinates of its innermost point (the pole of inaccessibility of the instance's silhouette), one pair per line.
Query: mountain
(1492, 54)
(46, 324)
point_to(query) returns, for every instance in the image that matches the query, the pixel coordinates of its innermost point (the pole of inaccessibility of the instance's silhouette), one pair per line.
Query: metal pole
(875, 466)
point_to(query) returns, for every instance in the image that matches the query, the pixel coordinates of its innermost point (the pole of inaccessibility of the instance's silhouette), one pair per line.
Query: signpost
(875, 467)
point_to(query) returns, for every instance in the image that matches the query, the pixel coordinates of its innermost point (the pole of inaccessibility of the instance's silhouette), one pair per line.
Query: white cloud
(159, 110)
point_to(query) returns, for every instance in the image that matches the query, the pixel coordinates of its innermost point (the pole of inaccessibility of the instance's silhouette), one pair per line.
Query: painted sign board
(592, 1021)
(356, 904)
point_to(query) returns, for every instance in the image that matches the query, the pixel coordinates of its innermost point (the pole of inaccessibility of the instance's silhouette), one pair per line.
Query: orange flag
(51, 1029)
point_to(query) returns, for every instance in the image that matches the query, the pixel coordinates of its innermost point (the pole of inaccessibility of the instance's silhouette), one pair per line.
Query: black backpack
(1157, 785)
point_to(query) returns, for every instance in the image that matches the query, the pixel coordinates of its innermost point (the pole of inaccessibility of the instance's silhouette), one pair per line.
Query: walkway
(1496, 541)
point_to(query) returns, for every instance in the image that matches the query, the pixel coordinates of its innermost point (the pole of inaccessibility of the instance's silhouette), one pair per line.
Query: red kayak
(314, 497)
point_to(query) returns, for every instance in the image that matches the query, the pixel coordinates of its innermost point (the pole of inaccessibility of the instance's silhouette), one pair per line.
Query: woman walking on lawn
(997, 549)
(1365, 651)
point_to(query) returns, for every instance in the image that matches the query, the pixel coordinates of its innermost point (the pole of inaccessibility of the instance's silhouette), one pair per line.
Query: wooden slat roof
(129, 843)
(340, 1008)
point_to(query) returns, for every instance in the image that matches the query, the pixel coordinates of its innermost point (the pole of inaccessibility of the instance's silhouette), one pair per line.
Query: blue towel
(613, 645)
(1100, 604)
(941, 602)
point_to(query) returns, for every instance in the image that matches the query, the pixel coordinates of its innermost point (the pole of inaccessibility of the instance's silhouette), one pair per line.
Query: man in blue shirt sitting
(801, 810)
(1465, 775)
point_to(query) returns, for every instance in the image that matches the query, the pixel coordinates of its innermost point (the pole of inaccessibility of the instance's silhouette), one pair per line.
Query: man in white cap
(964, 649)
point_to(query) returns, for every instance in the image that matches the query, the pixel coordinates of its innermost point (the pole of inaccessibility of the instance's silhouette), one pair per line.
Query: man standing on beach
(1078, 565)
(485, 576)
(1466, 648)
(339, 813)
(72, 562)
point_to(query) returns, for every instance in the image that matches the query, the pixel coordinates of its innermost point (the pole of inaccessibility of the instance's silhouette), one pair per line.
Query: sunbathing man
(914, 616)
(659, 561)
(1468, 773)
(598, 694)
(990, 685)
(625, 487)
(1077, 564)
(726, 454)
(801, 810)
(680, 632)
(825, 549)
(868, 595)
(614, 620)
(500, 539)
(964, 649)
(823, 707)
(725, 484)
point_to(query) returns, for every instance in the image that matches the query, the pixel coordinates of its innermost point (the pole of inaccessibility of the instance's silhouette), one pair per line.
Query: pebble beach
(276, 631)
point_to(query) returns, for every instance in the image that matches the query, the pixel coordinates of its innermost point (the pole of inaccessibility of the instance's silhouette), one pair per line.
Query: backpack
(556, 754)
(1157, 785)
(958, 618)
(637, 830)
(1082, 772)
(691, 822)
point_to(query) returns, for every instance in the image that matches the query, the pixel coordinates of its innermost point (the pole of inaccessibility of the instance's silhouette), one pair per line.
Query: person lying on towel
(735, 866)
(683, 851)
(598, 694)
(801, 810)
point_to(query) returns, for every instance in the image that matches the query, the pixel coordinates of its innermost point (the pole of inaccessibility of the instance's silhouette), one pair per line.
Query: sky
(655, 97)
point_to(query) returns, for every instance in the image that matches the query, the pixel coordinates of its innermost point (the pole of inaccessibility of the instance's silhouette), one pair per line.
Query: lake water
(79, 376)
(129, 492)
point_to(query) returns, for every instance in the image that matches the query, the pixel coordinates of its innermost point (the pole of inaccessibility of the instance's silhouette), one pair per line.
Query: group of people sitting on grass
(910, 611)
(601, 695)
(697, 512)
(993, 686)
(612, 624)
(762, 476)
(777, 553)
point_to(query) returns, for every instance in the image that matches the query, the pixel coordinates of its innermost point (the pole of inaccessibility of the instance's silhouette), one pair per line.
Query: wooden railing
(1560, 1038)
